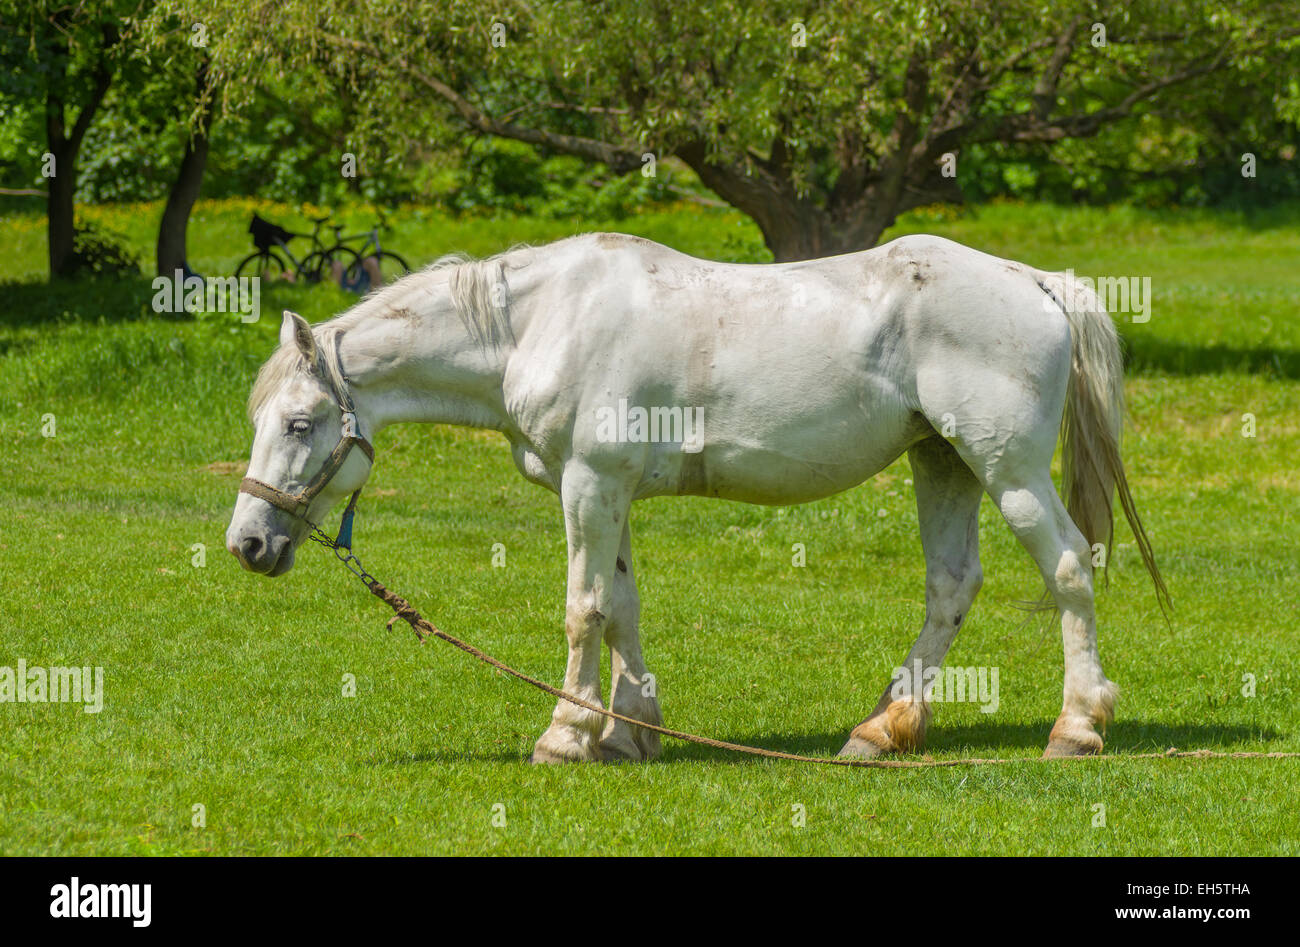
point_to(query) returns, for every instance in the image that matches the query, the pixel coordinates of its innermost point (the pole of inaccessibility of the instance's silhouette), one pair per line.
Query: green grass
(225, 690)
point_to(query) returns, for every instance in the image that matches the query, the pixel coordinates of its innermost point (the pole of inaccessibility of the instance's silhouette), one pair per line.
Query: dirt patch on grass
(225, 468)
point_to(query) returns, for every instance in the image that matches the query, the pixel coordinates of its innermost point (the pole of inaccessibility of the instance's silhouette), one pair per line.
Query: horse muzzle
(268, 555)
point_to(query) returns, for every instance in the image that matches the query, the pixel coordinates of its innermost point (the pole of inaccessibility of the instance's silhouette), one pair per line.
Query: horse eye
(299, 426)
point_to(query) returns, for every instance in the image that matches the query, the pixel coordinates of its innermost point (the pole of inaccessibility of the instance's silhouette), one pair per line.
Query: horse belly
(801, 460)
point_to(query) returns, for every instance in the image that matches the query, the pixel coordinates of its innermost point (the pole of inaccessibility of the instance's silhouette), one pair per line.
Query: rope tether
(424, 628)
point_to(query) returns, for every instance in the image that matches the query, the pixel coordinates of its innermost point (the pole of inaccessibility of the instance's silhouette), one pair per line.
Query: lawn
(225, 691)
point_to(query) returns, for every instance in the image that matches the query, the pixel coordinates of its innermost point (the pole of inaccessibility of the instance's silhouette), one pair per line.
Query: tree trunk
(171, 252)
(811, 232)
(64, 145)
(796, 227)
(60, 211)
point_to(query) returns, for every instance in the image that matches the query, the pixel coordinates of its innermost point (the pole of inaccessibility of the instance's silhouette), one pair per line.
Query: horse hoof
(548, 757)
(1071, 737)
(622, 743)
(551, 749)
(625, 751)
(1065, 748)
(899, 728)
(861, 749)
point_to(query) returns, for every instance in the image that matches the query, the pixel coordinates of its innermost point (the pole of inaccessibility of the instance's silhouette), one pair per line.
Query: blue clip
(344, 538)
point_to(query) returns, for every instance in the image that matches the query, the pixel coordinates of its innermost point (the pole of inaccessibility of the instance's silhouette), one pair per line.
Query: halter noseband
(297, 504)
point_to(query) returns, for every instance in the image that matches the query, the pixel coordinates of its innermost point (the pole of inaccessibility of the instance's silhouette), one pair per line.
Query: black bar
(923, 896)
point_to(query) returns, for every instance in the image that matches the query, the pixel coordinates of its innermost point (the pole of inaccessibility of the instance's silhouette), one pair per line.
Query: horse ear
(295, 331)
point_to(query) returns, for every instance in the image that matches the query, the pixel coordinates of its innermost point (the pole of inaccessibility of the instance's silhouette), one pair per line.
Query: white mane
(479, 293)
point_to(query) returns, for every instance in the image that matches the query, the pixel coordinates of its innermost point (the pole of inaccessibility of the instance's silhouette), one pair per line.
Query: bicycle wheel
(362, 278)
(392, 266)
(331, 264)
(263, 264)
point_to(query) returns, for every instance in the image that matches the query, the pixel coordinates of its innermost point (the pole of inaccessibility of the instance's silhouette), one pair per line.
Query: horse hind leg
(948, 498)
(1016, 472)
(1010, 452)
(1039, 519)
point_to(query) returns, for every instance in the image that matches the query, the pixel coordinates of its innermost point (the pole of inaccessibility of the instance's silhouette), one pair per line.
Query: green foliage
(727, 74)
(730, 75)
(499, 175)
(1156, 162)
(101, 254)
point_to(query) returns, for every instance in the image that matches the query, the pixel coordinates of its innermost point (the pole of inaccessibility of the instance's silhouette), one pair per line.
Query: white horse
(620, 369)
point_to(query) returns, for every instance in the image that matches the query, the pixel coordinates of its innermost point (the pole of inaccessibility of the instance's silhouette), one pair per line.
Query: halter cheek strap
(297, 504)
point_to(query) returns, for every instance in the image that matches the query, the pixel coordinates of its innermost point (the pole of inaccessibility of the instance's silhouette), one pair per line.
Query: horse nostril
(250, 547)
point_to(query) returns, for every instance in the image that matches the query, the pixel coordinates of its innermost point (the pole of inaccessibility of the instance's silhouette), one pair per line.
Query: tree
(85, 63)
(172, 254)
(822, 122)
(66, 53)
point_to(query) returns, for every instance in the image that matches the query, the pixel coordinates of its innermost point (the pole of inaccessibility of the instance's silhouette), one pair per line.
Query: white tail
(1092, 471)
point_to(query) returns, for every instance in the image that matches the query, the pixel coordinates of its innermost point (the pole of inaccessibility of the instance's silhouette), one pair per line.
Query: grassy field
(225, 691)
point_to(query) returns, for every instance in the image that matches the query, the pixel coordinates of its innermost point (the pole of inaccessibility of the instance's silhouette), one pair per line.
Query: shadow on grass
(447, 756)
(84, 299)
(979, 740)
(92, 300)
(1176, 358)
(997, 740)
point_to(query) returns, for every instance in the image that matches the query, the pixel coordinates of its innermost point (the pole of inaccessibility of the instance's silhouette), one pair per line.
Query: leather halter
(297, 504)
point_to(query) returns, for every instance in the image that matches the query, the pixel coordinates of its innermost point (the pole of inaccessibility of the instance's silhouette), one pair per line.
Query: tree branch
(103, 78)
(755, 190)
(1028, 127)
(1043, 95)
(619, 159)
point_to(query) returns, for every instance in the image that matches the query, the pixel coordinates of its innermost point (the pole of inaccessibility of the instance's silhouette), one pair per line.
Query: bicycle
(266, 263)
(391, 265)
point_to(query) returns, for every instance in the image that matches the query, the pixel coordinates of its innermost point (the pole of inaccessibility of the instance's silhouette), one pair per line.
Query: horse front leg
(948, 504)
(633, 689)
(595, 513)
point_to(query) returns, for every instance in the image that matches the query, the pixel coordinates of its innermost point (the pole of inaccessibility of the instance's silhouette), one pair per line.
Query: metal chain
(343, 554)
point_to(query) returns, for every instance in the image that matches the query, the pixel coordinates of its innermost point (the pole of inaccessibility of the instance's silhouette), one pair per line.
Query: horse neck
(423, 369)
